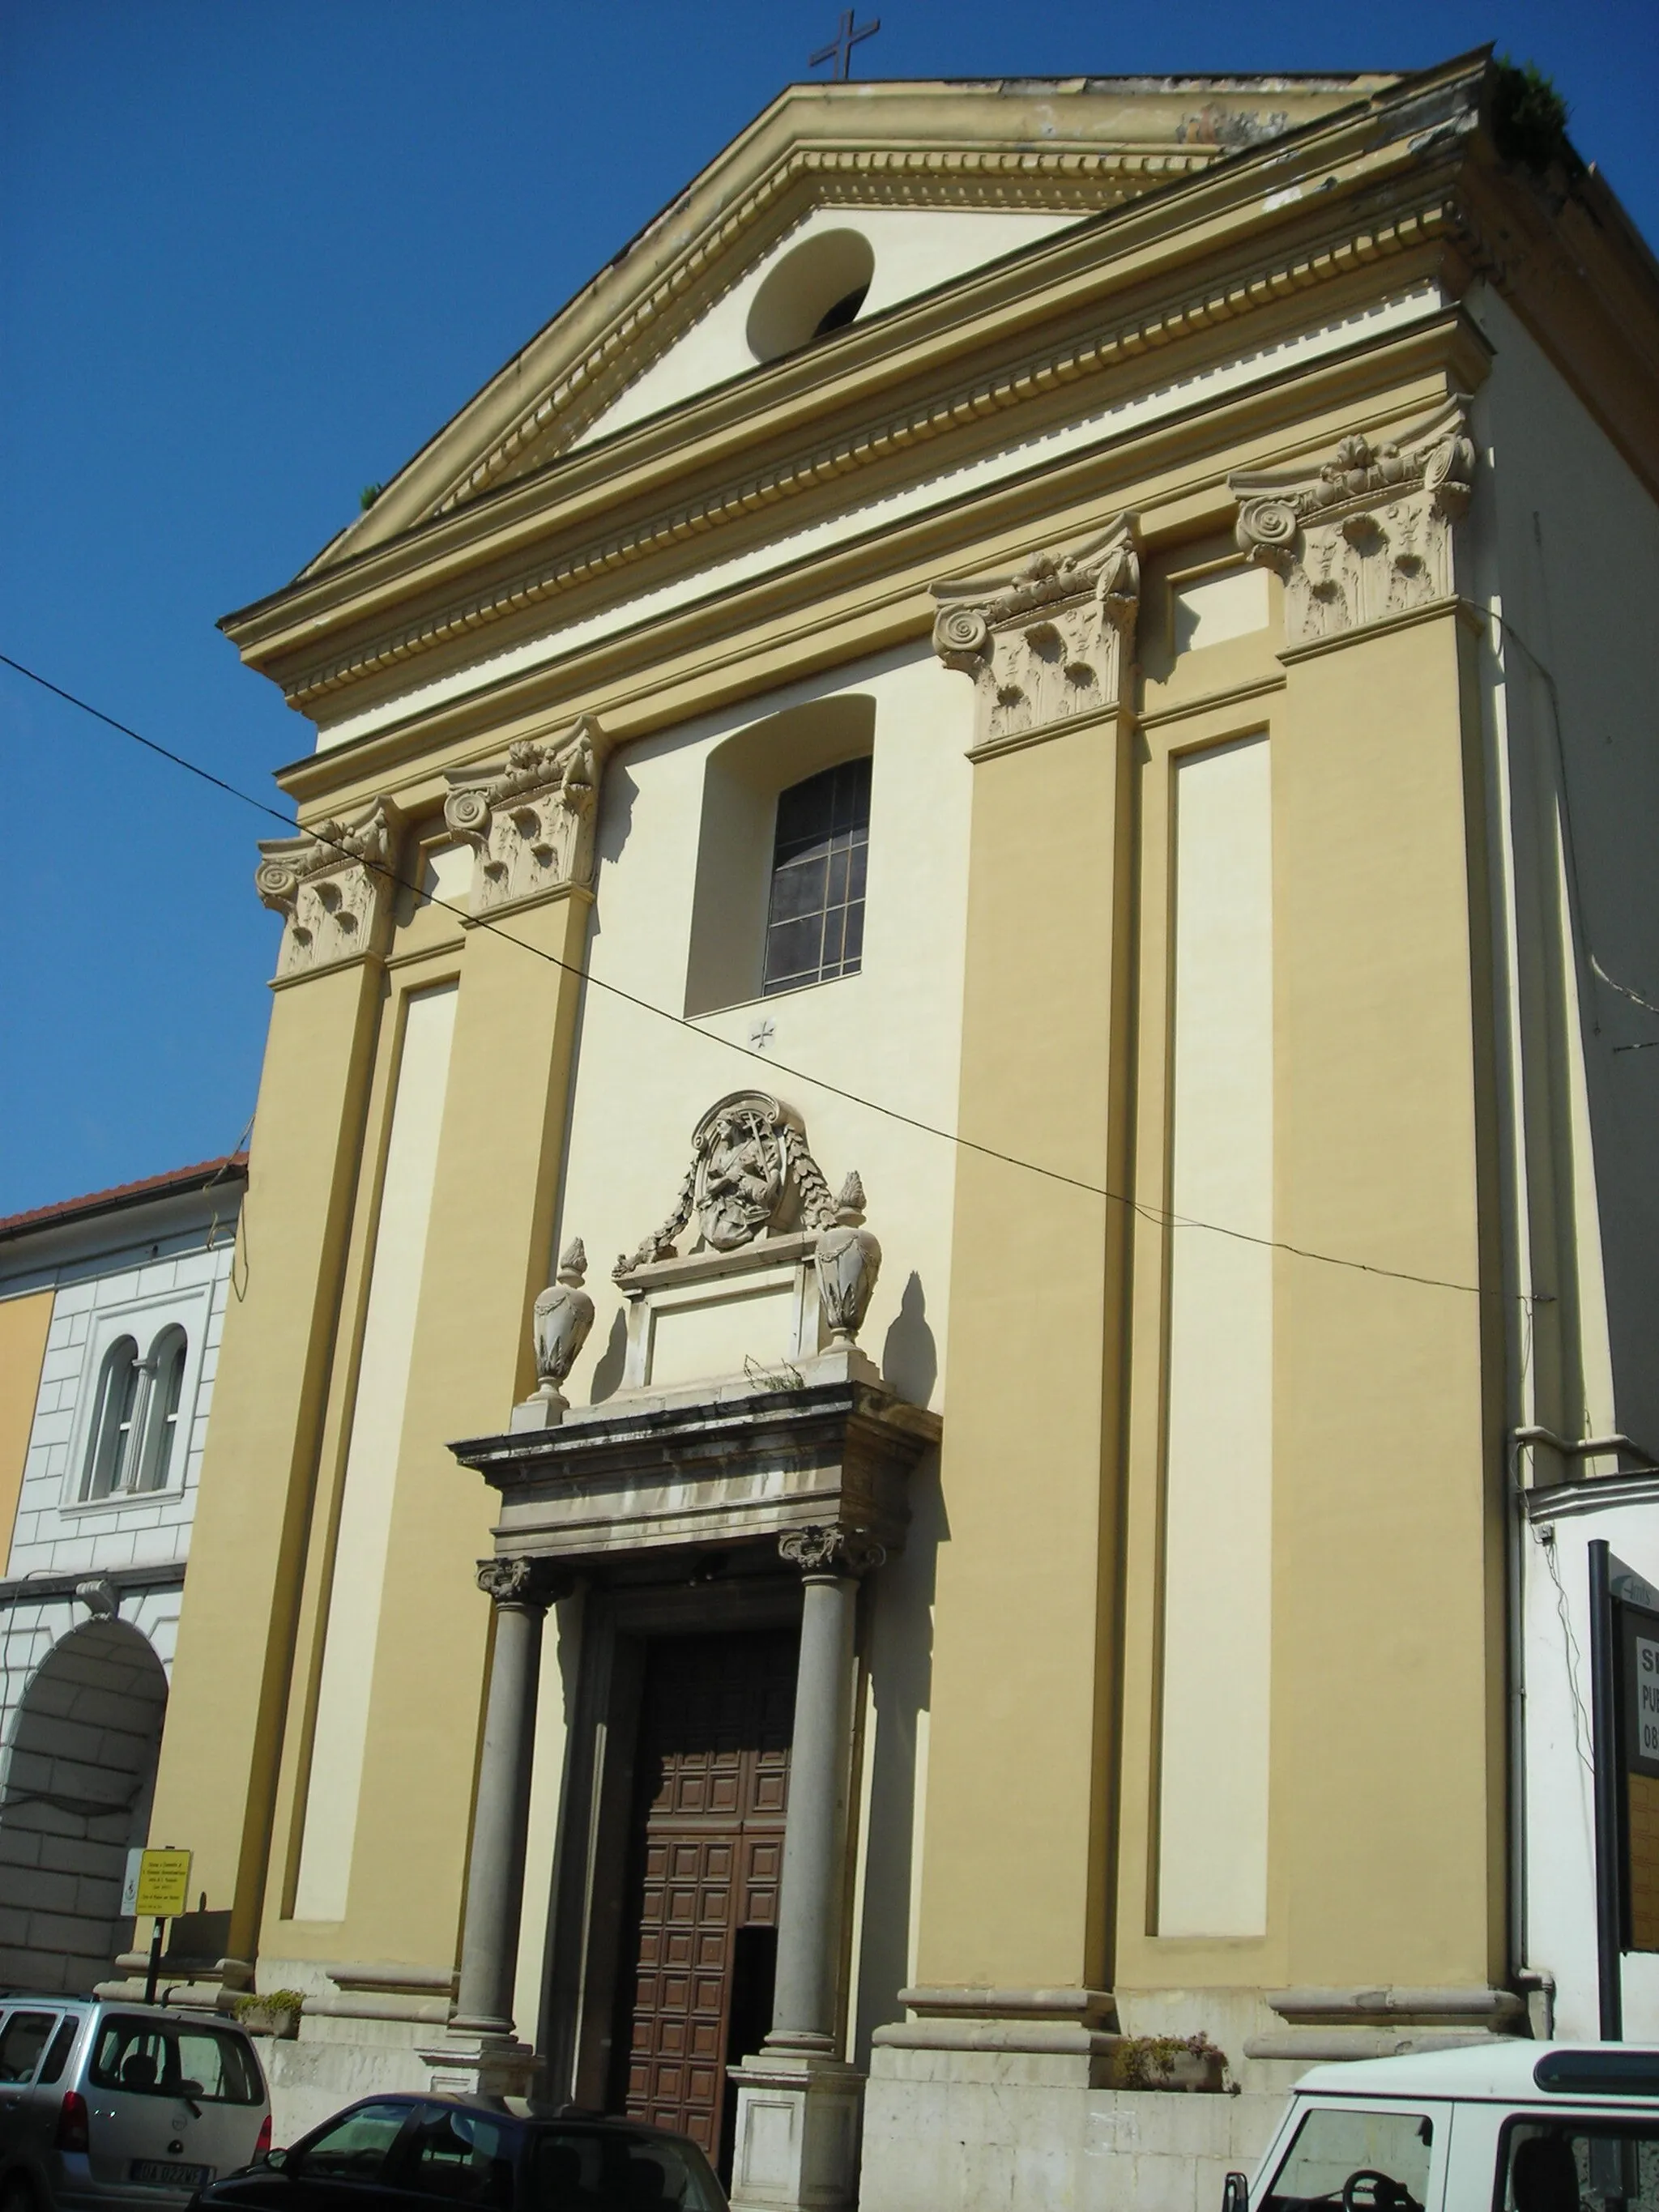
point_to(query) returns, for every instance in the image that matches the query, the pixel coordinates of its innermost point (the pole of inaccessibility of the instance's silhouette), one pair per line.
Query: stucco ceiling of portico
(940, 180)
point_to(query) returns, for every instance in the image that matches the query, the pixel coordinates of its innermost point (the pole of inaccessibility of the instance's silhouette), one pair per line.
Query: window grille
(815, 920)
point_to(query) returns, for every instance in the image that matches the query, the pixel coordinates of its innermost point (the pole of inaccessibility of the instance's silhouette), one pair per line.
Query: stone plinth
(798, 2133)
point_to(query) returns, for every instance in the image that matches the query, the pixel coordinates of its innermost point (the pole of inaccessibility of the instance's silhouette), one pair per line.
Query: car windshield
(159, 2058)
(607, 2170)
(1363, 2160)
(1577, 2164)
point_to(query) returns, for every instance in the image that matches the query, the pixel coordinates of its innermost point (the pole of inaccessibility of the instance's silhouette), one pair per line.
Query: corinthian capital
(332, 886)
(825, 1551)
(1052, 640)
(522, 1582)
(1367, 533)
(529, 818)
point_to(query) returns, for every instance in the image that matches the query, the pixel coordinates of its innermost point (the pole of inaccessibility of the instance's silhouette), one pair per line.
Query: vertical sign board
(1637, 1645)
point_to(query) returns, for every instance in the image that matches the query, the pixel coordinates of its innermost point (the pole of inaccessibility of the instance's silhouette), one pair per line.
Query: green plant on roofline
(1529, 118)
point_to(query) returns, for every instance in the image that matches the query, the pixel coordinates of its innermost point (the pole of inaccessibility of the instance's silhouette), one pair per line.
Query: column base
(798, 2133)
(465, 2064)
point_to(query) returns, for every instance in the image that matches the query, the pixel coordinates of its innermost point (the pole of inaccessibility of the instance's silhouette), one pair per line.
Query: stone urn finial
(560, 1320)
(848, 1260)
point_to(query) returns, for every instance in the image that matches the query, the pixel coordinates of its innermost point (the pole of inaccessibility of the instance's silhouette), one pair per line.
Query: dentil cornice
(529, 818)
(943, 419)
(332, 886)
(1368, 533)
(1052, 640)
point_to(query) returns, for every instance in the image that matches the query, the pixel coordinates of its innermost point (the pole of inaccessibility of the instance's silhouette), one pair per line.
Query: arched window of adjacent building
(167, 1388)
(815, 919)
(113, 1416)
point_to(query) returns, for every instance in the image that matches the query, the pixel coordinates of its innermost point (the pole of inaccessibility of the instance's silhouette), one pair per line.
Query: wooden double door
(700, 1913)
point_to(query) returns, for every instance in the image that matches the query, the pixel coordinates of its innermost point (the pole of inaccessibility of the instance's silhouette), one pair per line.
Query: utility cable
(1157, 1217)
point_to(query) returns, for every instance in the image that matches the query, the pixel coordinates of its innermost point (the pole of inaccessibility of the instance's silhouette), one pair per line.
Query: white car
(1496, 2127)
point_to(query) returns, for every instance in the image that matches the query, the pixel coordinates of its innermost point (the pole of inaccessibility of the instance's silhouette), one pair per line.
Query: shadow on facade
(79, 1776)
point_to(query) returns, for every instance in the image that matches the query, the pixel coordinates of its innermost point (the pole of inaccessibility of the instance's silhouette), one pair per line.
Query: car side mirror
(1235, 2193)
(274, 2160)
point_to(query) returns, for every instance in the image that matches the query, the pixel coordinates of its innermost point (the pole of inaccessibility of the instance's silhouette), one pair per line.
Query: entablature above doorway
(666, 1483)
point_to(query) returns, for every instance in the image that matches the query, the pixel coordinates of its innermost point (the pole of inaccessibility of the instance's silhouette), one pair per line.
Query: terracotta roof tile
(232, 1168)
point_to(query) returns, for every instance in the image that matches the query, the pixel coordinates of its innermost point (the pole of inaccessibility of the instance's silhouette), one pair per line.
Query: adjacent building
(111, 1311)
(942, 1081)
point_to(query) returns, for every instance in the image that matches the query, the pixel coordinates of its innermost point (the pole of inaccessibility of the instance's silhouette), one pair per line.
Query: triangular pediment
(839, 203)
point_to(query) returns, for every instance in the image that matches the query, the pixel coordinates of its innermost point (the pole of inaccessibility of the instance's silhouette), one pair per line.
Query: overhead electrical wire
(1157, 1217)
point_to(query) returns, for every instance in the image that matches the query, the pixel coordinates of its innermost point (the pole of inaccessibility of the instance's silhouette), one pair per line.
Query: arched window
(815, 919)
(113, 1419)
(167, 1387)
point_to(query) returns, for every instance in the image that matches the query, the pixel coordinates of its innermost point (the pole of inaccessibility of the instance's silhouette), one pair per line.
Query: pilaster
(1386, 1833)
(219, 1756)
(1030, 1469)
(486, 1256)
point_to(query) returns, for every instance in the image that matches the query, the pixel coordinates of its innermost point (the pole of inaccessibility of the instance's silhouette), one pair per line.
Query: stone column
(797, 2104)
(482, 2054)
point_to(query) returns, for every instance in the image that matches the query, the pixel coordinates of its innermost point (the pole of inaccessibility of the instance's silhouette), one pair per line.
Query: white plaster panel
(1212, 1829)
(890, 1033)
(54, 1528)
(789, 548)
(1210, 609)
(717, 1336)
(915, 250)
(340, 1732)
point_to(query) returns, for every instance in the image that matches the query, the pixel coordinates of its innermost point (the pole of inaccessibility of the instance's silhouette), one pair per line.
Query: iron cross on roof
(840, 48)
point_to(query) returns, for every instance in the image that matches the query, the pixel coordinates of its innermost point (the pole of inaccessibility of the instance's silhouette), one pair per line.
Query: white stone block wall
(58, 1532)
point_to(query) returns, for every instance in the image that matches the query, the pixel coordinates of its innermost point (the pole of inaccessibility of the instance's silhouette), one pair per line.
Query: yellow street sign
(163, 1886)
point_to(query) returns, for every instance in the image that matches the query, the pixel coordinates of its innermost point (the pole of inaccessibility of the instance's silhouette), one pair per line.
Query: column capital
(821, 1550)
(529, 817)
(1052, 640)
(332, 886)
(1366, 533)
(535, 1584)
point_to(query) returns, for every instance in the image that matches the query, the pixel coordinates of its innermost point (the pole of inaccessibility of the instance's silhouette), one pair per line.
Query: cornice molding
(1184, 315)
(1081, 183)
(1061, 142)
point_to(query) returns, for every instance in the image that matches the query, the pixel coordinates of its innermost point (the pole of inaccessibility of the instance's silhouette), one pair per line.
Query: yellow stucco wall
(24, 1325)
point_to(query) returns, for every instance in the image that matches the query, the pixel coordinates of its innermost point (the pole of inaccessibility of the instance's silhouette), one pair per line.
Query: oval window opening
(816, 290)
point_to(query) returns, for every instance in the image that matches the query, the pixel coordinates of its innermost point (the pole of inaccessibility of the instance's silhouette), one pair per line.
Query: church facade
(940, 1085)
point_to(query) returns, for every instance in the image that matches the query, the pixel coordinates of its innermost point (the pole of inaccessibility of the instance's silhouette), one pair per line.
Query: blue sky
(250, 256)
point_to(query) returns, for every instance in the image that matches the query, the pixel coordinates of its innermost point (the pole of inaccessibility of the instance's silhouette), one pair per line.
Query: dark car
(400, 2153)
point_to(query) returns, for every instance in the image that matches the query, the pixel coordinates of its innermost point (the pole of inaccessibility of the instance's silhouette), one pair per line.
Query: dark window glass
(838, 317)
(62, 2044)
(814, 922)
(22, 2039)
(466, 2157)
(596, 2170)
(152, 2058)
(1578, 2163)
(111, 1427)
(353, 2147)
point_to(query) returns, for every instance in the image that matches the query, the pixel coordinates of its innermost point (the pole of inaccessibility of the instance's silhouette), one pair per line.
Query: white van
(1497, 2127)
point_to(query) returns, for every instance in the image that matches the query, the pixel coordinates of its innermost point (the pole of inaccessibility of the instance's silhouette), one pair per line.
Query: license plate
(161, 2173)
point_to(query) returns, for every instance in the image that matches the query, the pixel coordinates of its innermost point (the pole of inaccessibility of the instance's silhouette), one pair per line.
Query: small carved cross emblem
(761, 1033)
(840, 48)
